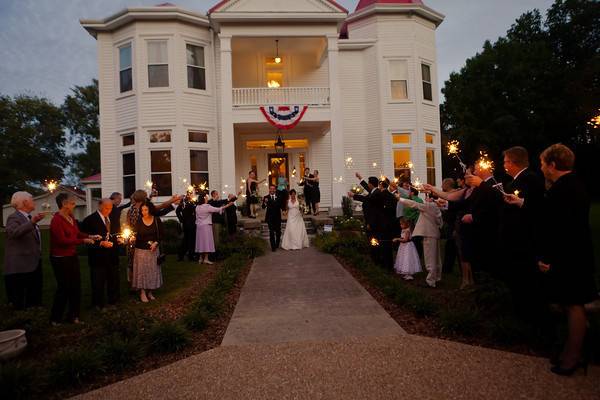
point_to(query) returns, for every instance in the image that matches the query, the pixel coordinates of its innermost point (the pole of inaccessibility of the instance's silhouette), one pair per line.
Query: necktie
(273, 197)
(37, 230)
(107, 223)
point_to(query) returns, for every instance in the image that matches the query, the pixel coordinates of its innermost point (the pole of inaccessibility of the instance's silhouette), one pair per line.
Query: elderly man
(22, 255)
(102, 256)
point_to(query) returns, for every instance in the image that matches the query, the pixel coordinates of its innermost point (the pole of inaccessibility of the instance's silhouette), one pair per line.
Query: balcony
(314, 96)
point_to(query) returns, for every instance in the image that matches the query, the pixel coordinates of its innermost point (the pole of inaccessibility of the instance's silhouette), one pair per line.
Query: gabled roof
(92, 178)
(222, 4)
(366, 3)
(366, 8)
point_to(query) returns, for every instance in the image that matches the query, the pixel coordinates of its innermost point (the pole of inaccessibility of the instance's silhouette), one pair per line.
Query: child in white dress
(407, 258)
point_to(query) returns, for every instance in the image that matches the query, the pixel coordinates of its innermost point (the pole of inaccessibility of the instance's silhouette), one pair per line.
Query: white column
(88, 200)
(227, 156)
(337, 132)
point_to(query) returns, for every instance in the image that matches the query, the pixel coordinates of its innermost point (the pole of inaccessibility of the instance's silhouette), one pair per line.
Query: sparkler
(374, 242)
(499, 187)
(595, 121)
(454, 150)
(349, 162)
(417, 184)
(516, 192)
(51, 185)
(484, 163)
(374, 165)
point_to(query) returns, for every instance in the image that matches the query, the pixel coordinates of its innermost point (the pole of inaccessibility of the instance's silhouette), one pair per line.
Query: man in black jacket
(186, 214)
(273, 204)
(102, 258)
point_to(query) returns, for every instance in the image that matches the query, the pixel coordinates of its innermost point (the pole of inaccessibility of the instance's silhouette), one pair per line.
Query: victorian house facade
(188, 97)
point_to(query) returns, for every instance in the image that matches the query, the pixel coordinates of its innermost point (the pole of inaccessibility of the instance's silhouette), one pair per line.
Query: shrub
(326, 242)
(246, 245)
(73, 367)
(31, 320)
(348, 223)
(168, 337)
(421, 305)
(16, 380)
(126, 323)
(119, 353)
(196, 320)
(172, 236)
(459, 320)
(347, 206)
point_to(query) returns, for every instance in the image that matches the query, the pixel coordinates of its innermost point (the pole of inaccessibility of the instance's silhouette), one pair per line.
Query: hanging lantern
(279, 144)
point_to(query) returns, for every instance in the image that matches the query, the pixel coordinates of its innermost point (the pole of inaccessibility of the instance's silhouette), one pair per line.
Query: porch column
(337, 133)
(88, 200)
(227, 156)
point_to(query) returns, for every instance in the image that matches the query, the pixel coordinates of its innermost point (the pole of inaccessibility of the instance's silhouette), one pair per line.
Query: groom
(272, 202)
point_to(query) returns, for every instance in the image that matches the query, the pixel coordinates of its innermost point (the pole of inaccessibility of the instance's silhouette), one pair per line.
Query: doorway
(278, 166)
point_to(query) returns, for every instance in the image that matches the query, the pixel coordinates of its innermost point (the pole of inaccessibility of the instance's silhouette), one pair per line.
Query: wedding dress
(294, 236)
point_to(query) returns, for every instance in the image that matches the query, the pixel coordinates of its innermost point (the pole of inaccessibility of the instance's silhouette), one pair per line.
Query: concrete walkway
(305, 329)
(304, 295)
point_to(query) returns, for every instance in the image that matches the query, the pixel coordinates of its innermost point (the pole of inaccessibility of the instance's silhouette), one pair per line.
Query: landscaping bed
(131, 338)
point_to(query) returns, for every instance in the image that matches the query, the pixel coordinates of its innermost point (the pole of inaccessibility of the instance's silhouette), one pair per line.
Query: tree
(536, 86)
(80, 110)
(32, 144)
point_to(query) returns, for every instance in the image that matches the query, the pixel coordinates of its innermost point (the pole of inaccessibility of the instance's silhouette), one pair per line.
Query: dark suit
(186, 214)
(486, 203)
(517, 238)
(273, 218)
(379, 211)
(22, 262)
(231, 217)
(103, 262)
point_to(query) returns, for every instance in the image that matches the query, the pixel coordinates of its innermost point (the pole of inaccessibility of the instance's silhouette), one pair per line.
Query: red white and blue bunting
(283, 117)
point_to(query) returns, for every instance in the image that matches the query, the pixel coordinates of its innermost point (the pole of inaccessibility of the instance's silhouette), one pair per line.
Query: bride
(295, 236)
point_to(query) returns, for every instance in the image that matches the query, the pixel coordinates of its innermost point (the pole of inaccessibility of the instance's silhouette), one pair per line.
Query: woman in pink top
(205, 243)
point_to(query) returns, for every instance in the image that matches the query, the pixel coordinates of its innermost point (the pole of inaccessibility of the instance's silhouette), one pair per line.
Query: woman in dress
(295, 236)
(64, 238)
(315, 197)
(566, 255)
(147, 275)
(252, 193)
(306, 182)
(205, 242)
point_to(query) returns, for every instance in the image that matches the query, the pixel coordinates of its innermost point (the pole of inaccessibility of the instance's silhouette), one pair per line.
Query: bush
(126, 323)
(245, 245)
(168, 337)
(348, 223)
(16, 380)
(347, 206)
(196, 320)
(119, 353)
(74, 367)
(31, 320)
(172, 236)
(460, 321)
(421, 305)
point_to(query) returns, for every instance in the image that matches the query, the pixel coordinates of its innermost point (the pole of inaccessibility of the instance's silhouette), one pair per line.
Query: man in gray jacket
(22, 255)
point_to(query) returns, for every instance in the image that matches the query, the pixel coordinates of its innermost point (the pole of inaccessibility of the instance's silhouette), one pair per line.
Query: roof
(366, 3)
(92, 178)
(223, 2)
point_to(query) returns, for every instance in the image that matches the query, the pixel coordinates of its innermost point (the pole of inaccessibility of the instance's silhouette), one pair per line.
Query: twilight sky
(44, 51)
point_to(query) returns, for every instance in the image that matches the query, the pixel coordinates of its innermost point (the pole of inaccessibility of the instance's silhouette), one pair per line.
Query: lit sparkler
(516, 192)
(374, 242)
(484, 163)
(51, 185)
(349, 162)
(595, 121)
(374, 165)
(454, 150)
(417, 184)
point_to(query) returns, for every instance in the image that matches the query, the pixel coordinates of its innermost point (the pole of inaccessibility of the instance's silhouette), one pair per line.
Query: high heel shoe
(558, 370)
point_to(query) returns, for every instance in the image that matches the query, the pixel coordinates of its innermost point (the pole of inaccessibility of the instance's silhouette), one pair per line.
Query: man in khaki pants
(218, 220)
(428, 226)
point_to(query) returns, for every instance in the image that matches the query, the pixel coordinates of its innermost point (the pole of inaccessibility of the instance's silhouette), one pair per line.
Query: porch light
(273, 84)
(277, 58)
(279, 144)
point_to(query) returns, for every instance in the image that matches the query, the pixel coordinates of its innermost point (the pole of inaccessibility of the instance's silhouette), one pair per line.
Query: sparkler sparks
(484, 163)
(51, 185)
(454, 150)
(374, 242)
(349, 162)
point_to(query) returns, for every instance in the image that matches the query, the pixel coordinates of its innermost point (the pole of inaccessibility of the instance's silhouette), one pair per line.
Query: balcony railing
(280, 96)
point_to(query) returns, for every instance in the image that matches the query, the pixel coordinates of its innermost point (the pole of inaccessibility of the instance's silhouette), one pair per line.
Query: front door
(278, 167)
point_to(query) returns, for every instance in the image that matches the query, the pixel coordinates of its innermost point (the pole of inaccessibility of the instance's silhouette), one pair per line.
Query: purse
(162, 257)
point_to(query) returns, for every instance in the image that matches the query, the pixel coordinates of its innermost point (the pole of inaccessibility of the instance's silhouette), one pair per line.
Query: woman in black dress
(315, 197)
(565, 249)
(252, 193)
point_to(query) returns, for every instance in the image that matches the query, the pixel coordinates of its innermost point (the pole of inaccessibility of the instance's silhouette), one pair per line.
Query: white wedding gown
(294, 236)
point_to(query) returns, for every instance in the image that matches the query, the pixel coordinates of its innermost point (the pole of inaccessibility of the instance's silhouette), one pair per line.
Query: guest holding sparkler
(64, 238)
(205, 242)
(566, 260)
(103, 258)
(186, 214)
(252, 193)
(115, 214)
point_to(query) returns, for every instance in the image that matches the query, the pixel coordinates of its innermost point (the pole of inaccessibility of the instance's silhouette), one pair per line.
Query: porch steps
(310, 229)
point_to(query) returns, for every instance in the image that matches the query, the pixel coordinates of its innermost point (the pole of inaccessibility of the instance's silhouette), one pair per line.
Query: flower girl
(407, 259)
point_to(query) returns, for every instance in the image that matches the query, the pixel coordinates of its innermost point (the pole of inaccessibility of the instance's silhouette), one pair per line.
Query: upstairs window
(426, 76)
(398, 70)
(196, 70)
(125, 71)
(198, 136)
(128, 140)
(162, 136)
(158, 64)
(128, 174)
(199, 167)
(160, 171)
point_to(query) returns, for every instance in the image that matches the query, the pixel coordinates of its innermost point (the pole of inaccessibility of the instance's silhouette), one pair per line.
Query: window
(163, 136)
(398, 79)
(196, 71)
(160, 168)
(125, 72)
(430, 155)
(158, 64)
(253, 164)
(302, 159)
(426, 76)
(199, 167)
(402, 163)
(428, 138)
(198, 137)
(128, 174)
(400, 138)
(128, 140)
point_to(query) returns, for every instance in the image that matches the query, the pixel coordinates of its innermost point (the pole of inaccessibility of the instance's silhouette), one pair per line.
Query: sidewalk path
(305, 329)
(292, 296)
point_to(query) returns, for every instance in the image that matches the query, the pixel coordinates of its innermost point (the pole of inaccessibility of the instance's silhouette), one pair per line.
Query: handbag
(162, 257)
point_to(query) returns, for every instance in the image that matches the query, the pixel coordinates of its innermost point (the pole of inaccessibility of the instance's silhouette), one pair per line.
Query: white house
(181, 94)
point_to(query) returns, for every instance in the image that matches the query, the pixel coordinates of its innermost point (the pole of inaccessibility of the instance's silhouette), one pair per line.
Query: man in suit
(218, 220)
(231, 215)
(104, 271)
(22, 255)
(186, 214)
(273, 216)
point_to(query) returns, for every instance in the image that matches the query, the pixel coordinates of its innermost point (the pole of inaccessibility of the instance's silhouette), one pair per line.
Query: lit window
(430, 155)
(400, 138)
(160, 136)
(128, 140)
(158, 64)
(402, 163)
(160, 168)
(253, 165)
(398, 79)
(128, 174)
(199, 167)
(125, 72)
(198, 137)
(428, 138)
(426, 76)
(196, 71)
